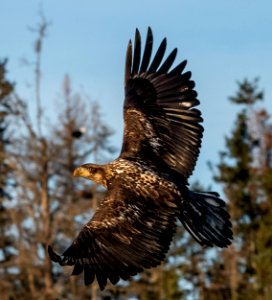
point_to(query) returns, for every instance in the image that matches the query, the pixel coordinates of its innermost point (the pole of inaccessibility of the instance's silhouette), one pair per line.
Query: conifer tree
(245, 170)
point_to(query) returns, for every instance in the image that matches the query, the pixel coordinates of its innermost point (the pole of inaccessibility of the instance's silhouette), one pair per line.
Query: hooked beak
(81, 172)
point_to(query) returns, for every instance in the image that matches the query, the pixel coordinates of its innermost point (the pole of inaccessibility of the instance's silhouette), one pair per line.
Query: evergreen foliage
(245, 171)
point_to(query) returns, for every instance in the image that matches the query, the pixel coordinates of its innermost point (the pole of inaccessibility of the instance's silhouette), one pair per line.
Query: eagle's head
(92, 172)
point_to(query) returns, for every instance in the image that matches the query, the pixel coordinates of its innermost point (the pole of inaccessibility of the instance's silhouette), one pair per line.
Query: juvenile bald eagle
(147, 189)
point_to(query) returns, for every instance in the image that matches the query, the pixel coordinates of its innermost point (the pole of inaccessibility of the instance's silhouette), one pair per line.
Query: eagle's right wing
(129, 231)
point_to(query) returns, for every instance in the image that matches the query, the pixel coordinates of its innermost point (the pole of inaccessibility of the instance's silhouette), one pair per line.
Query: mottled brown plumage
(147, 185)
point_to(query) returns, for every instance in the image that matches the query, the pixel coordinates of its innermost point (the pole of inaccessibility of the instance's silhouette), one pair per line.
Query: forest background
(47, 127)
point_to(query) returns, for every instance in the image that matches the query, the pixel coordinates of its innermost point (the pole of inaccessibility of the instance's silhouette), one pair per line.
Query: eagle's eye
(96, 172)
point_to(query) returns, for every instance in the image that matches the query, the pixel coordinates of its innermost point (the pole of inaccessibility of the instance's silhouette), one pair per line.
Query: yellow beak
(81, 172)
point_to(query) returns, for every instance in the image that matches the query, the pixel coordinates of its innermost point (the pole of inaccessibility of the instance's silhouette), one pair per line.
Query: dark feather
(78, 269)
(128, 61)
(136, 52)
(89, 274)
(147, 51)
(168, 62)
(178, 69)
(158, 57)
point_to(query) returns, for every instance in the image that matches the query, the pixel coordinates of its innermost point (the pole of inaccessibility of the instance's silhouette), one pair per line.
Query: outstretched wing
(161, 122)
(128, 232)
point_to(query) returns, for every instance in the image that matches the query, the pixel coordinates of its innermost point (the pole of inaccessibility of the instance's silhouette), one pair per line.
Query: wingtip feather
(147, 50)
(53, 255)
(136, 52)
(158, 56)
(128, 61)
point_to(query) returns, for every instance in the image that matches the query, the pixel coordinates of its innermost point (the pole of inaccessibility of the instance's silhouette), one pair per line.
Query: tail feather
(205, 216)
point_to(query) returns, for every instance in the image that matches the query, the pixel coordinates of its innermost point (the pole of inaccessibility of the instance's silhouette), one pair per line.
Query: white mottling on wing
(146, 129)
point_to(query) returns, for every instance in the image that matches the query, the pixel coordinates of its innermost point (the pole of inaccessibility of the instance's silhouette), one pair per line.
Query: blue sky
(224, 41)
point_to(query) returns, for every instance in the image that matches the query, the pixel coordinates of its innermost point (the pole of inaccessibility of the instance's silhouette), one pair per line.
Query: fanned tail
(205, 216)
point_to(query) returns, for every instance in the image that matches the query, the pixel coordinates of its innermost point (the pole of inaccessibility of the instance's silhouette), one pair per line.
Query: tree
(48, 205)
(6, 244)
(244, 170)
(80, 136)
(51, 206)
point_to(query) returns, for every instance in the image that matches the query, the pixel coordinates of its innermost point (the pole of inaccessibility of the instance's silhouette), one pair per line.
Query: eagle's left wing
(131, 230)
(161, 122)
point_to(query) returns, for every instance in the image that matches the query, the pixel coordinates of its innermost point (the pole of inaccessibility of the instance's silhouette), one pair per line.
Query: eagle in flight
(147, 188)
